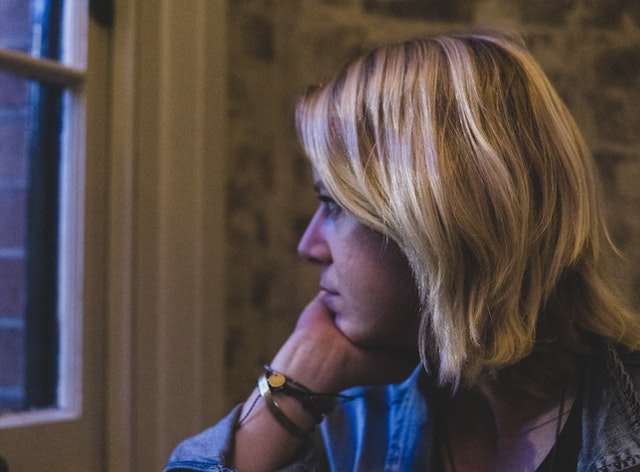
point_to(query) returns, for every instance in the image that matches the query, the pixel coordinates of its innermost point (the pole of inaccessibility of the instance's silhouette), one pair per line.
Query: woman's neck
(498, 426)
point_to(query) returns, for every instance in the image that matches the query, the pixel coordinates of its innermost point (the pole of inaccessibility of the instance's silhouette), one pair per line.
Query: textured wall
(589, 48)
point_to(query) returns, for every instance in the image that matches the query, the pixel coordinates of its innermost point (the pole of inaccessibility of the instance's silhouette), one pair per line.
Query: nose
(313, 246)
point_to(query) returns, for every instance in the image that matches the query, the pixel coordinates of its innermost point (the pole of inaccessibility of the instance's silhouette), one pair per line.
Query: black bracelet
(317, 404)
(278, 414)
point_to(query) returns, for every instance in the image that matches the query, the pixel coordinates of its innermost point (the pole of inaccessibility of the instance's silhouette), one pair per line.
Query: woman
(459, 230)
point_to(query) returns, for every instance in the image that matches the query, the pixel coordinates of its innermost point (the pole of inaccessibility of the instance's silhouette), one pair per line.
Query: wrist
(267, 393)
(318, 404)
(306, 362)
(291, 404)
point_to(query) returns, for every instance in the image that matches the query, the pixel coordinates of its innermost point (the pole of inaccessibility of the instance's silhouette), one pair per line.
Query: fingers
(320, 356)
(314, 313)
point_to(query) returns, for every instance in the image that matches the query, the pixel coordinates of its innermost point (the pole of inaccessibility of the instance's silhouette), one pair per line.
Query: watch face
(276, 380)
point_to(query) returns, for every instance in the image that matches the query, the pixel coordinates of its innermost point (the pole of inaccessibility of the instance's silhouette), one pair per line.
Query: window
(29, 159)
(128, 264)
(39, 108)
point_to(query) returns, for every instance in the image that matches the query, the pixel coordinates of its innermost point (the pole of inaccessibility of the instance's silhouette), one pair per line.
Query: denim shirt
(391, 428)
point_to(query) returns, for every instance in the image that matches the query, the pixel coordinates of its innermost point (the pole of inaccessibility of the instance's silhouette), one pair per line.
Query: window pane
(14, 133)
(29, 178)
(31, 26)
(30, 124)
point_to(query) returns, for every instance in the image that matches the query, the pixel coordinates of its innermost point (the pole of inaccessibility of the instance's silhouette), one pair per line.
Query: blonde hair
(459, 149)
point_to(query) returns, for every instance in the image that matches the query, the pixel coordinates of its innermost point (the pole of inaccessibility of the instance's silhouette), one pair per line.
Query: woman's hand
(320, 356)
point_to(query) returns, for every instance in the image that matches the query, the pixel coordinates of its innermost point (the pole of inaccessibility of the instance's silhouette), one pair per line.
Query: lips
(328, 290)
(329, 299)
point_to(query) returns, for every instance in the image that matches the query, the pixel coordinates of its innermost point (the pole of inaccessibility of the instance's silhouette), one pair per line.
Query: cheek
(378, 304)
(373, 326)
(383, 308)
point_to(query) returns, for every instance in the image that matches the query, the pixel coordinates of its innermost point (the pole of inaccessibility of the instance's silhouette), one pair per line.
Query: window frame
(153, 297)
(69, 74)
(72, 438)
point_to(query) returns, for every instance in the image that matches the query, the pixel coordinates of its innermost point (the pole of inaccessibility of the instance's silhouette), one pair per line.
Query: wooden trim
(38, 68)
(166, 242)
(120, 310)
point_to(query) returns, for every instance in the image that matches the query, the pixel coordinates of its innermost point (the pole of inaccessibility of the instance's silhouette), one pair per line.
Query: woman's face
(366, 281)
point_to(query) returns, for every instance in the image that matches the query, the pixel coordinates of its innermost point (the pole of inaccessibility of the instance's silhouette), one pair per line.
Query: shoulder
(624, 366)
(611, 409)
(611, 392)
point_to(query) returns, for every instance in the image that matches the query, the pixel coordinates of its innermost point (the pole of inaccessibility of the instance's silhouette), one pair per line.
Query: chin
(363, 339)
(353, 332)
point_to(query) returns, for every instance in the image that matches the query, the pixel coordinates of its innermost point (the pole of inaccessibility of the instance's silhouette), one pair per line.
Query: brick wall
(14, 126)
(589, 48)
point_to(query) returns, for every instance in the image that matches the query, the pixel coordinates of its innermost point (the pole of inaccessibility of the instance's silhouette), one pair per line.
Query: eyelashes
(331, 207)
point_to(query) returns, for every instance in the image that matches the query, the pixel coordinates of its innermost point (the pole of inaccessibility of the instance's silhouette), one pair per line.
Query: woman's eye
(330, 205)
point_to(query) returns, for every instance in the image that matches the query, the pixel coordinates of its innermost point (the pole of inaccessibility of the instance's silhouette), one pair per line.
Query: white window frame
(72, 437)
(153, 244)
(69, 72)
